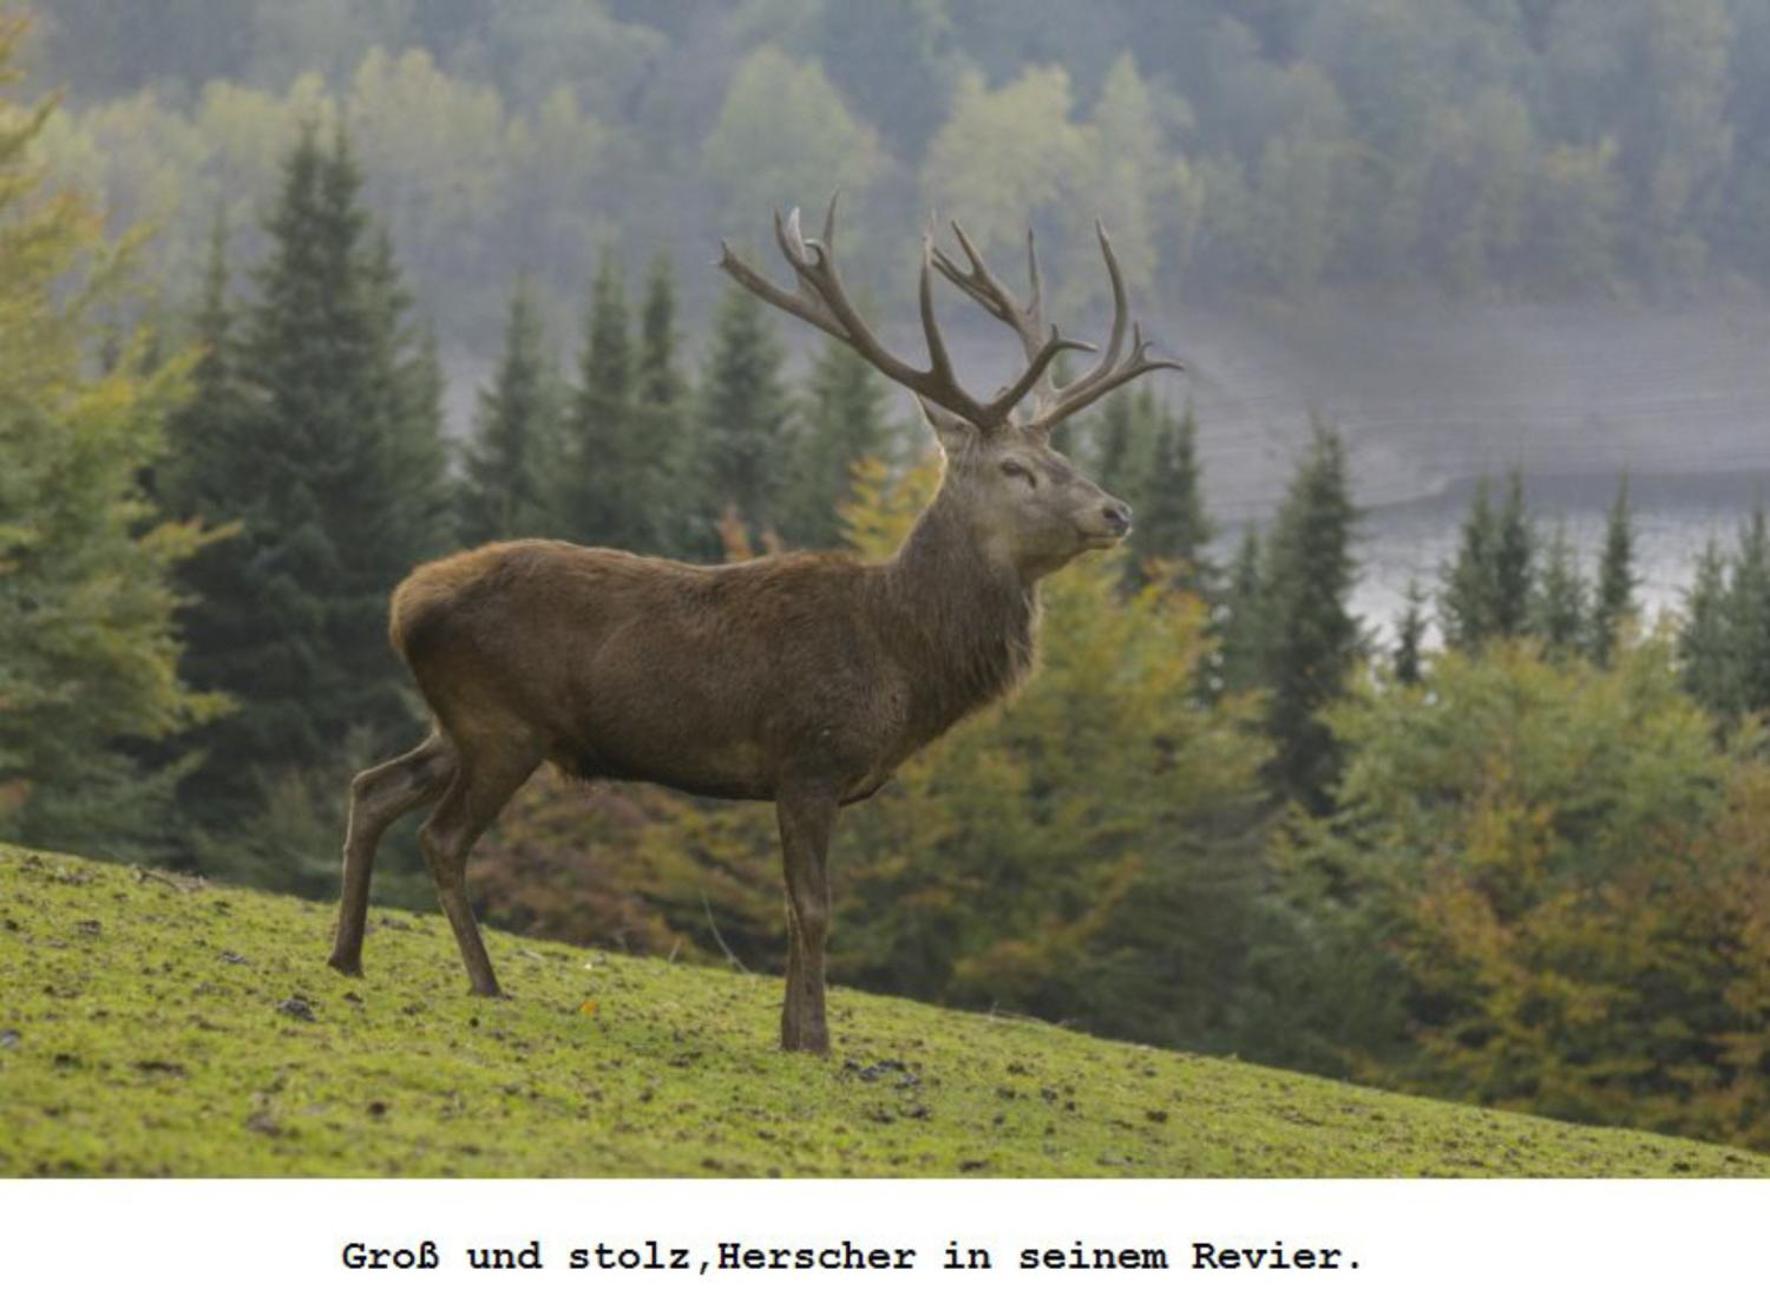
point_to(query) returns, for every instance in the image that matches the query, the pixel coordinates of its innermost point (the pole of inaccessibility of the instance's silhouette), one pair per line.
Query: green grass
(147, 1028)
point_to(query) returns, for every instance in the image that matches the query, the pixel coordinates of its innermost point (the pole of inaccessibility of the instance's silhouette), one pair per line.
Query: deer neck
(966, 618)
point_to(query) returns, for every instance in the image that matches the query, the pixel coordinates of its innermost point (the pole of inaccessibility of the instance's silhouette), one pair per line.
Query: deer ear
(953, 432)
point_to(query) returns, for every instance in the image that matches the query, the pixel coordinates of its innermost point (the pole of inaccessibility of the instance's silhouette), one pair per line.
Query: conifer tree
(407, 373)
(1748, 616)
(88, 652)
(317, 472)
(745, 418)
(204, 433)
(1410, 635)
(1240, 620)
(510, 463)
(1171, 520)
(660, 384)
(842, 420)
(1310, 640)
(1559, 614)
(604, 482)
(1467, 595)
(1706, 663)
(212, 474)
(661, 414)
(1614, 600)
(1514, 561)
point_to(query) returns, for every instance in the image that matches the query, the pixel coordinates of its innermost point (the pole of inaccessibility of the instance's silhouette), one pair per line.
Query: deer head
(1025, 504)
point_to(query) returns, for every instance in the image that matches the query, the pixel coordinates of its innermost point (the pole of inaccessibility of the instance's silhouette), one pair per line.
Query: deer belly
(735, 771)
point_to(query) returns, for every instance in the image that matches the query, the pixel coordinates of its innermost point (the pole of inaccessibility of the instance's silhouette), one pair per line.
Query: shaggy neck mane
(967, 622)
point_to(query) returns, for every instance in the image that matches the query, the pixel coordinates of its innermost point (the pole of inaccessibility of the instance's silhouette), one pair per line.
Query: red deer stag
(802, 679)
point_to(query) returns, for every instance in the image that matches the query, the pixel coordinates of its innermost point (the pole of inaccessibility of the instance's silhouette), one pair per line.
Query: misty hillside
(1504, 189)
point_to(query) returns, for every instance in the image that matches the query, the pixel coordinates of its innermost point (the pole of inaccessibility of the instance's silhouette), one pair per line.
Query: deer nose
(1118, 516)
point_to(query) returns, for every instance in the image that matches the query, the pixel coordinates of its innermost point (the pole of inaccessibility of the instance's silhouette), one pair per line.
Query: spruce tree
(842, 420)
(510, 464)
(1514, 562)
(1410, 636)
(660, 385)
(407, 373)
(1748, 616)
(744, 440)
(662, 415)
(1240, 620)
(204, 433)
(1559, 614)
(1172, 524)
(1705, 658)
(1467, 597)
(213, 474)
(1614, 602)
(604, 482)
(316, 475)
(1310, 639)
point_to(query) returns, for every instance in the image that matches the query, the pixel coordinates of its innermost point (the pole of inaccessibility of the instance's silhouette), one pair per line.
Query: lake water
(1675, 516)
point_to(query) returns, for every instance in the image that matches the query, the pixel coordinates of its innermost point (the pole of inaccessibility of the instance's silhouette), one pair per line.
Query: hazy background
(1475, 234)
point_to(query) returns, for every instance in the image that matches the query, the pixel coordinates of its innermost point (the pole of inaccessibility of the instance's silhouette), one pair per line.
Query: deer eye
(1014, 468)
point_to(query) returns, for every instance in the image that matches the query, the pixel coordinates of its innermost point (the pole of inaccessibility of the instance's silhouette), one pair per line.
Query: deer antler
(1053, 403)
(822, 301)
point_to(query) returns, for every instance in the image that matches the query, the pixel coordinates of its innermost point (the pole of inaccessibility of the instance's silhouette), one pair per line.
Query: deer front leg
(806, 819)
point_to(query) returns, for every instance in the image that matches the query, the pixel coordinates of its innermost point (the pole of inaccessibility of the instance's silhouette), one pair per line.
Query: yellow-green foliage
(1556, 878)
(156, 1026)
(1018, 152)
(783, 131)
(1010, 862)
(87, 652)
(447, 164)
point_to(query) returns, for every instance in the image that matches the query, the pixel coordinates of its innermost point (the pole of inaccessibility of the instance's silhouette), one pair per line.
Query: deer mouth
(1103, 539)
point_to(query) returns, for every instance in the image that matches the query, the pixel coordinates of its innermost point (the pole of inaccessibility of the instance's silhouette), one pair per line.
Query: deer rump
(719, 681)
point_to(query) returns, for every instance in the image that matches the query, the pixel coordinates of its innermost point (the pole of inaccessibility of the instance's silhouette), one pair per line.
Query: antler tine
(822, 301)
(799, 255)
(939, 362)
(1073, 398)
(1037, 370)
(1120, 311)
(829, 239)
(807, 309)
(982, 286)
(1110, 373)
(989, 292)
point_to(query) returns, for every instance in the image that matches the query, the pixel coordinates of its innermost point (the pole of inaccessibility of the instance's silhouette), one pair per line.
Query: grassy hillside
(153, 1025)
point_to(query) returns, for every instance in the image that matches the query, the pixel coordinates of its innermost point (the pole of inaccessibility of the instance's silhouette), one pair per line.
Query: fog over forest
(1473, 234)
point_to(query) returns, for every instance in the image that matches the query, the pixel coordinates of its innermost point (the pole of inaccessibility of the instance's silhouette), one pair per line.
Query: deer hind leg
(379, 797)
(488, 775)
(806, 820)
